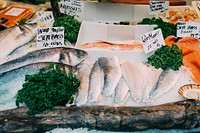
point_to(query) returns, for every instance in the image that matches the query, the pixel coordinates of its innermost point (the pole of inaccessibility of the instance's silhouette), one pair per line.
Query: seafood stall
(105, 67)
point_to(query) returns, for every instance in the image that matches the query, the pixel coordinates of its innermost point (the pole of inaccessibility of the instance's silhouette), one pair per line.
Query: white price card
(188, 29)
(50, 37)
(152, 40)
(71, 7)
(45, 18)
(158, 6)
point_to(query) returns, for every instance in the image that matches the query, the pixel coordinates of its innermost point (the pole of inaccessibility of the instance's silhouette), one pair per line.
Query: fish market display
(16, 36)
(190, 91)
(114, 45)
(67, 56)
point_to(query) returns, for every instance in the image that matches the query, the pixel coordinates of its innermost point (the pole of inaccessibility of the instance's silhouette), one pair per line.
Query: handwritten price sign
(50, 37)
(158, 6)
(152, 40)
(71, 7)
(188, 29)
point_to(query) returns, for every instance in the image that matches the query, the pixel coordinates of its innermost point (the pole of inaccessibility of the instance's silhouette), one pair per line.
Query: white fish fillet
(112, 74)
(166, 81)
(121, 90)
(135, 77)
(152, 76)
(96, 83)
(83, 75)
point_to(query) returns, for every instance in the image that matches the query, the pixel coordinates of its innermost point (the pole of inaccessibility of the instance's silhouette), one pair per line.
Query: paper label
(50, 37)
(158, 7)
(45, 19)
(188, 29)
(152, 40)
(71, 7)
(14, 12)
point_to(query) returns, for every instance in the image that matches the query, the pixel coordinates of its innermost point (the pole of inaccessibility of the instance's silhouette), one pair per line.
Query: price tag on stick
(50, 37)
(158, 6)
(152, 40)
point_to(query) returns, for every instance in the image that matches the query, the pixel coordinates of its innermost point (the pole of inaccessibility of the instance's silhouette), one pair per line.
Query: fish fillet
(121, 90)
(152, 76)
(83, 75)
(167, 80)
(112, 74)
(135, 77)
(96, 83)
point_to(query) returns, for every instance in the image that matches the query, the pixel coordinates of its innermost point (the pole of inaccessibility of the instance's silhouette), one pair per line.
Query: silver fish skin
(121, 91)
(112, 74)
(167, 80)
(96, 83)
(12, 81)
(26, 48)
(68, 56)
(152, 76)
(134, 74)
(83, 75)
(16, 36)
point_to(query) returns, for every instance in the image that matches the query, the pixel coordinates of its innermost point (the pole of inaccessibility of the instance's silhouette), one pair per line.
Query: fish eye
(62, 56)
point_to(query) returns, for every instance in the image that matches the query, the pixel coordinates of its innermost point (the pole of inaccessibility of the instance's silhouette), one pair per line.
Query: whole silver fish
(96, 83)
(67, 56)
(83, 75)
(16, 36)
(112, 74)
(12, 81)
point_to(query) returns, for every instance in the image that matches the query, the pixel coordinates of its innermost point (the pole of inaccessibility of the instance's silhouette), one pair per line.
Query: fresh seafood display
(16, 36)
(190, 91)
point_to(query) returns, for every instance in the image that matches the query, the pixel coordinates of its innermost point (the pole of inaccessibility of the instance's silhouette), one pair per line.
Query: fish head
(72, 57)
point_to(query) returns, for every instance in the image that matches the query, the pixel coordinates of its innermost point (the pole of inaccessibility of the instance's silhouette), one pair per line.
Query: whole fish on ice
(67, 56)
(112, 74)
(16, 36)
(167, 80)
